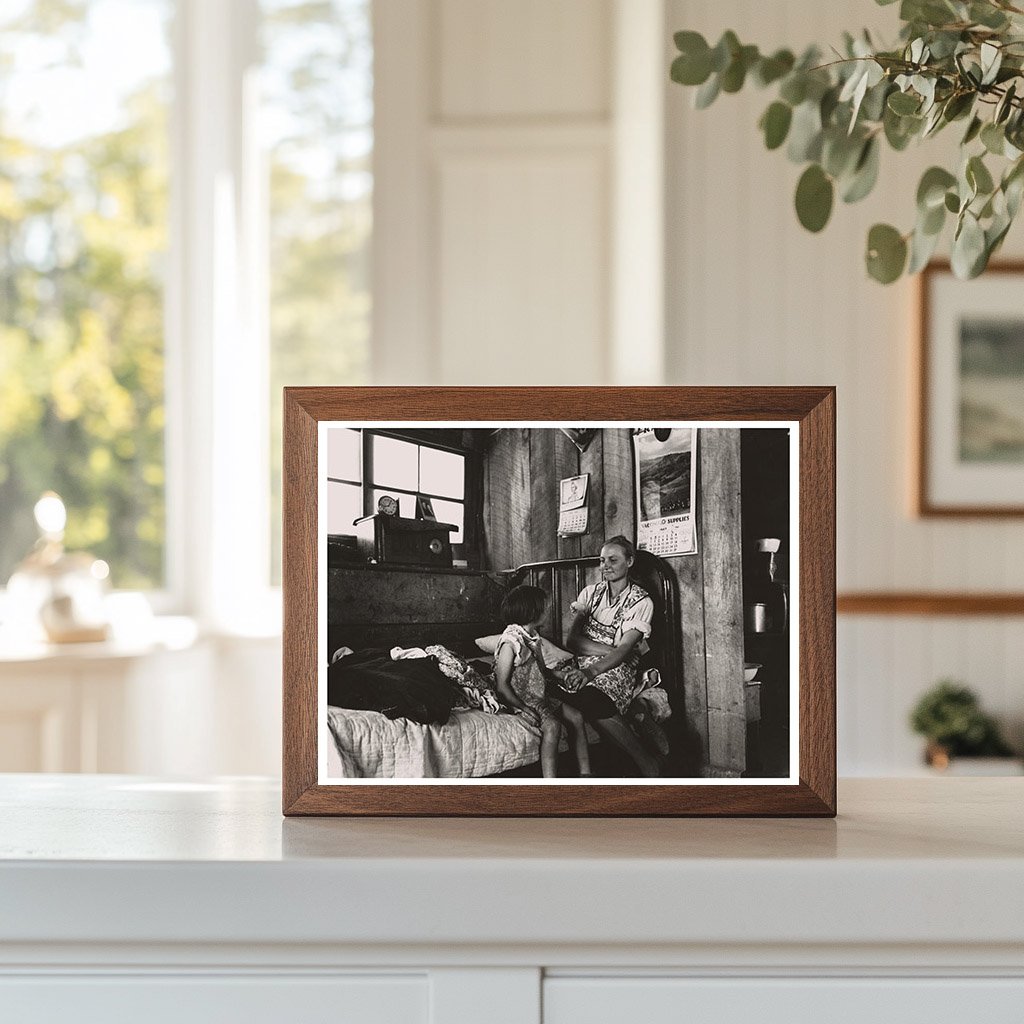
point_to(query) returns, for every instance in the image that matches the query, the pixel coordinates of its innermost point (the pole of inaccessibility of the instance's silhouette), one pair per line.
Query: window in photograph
(83, 242)
(317, 131)
(398, 468)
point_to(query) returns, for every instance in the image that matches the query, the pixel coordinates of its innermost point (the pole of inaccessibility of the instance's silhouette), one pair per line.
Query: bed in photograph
(425, 729)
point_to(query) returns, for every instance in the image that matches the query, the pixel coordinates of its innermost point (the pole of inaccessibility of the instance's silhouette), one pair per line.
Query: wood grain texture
(816, 572)
(925, 603)
(567, 463)
(592, 462)
(721, 597)
(543, 497)
(359, 597)
(299, 598)
(619, 507)
(814, 408)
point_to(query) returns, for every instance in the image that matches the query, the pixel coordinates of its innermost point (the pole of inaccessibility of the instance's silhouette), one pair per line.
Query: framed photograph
(488, 664)
(970, 445)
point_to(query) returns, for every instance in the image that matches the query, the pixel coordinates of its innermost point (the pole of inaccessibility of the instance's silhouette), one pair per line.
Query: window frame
(368, 485)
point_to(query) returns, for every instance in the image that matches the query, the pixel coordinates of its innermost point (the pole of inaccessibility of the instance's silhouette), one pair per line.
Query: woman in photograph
(608, 635)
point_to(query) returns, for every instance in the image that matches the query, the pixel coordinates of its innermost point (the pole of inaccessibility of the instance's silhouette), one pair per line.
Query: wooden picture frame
(966, 430)
(805, 416)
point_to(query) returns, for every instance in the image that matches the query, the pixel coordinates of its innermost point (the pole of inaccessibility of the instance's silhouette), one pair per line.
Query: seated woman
(608, 634)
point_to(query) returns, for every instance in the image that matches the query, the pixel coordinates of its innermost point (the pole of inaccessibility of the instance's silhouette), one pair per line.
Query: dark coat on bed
(413, 688)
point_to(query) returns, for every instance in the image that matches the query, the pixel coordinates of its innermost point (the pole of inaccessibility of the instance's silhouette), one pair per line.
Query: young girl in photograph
(520, 676)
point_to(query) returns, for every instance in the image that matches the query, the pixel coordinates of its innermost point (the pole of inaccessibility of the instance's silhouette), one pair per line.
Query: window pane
(343, 453)
(442, 473)
(344, 504)
(83, 237)
(450, 512)
(406, 503)
(317, 131)
(395, 463)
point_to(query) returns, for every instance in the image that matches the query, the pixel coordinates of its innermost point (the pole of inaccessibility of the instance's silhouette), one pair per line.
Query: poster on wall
(666, 490)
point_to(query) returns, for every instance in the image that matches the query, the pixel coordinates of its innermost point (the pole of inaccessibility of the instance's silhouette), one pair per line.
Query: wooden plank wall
(383, 606)
(521, 473)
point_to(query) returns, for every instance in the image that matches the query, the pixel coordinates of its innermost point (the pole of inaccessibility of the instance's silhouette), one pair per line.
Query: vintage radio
(392, 540)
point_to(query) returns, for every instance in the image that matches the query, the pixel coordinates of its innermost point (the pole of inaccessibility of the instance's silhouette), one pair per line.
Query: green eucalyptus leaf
(688, 42)
(922, 247)
(794, 89)
(991, 60)
(886, 254)
(725, 50)
(736, 73)
(1004, 106)
(903, 103)
(873, 107)
(885, 3)
(958, 105)
(993, 138)
(973, 129)
(1014, 192)
(978, 176)
(828, 105)
(840, 152)
(952, 202)
(987, 15)
(944, 44)
(775, 124)
(708, 92)
(805, 133)
(865, 174)
(900, 130)
(771, 69)
(968, 247)
(932, 220)
(1013, 187)
(693, 65)
(931, 190)
(814, 195)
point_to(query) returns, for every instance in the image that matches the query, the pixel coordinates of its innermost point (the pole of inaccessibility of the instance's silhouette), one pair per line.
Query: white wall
(754, 299)
(508, 251)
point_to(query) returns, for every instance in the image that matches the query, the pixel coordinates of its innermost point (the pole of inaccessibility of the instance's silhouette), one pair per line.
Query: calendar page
(573, 514)
(666, 490)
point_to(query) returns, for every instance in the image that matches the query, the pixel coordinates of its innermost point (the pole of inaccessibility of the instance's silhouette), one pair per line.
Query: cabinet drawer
(202, 999)
(660, 1000)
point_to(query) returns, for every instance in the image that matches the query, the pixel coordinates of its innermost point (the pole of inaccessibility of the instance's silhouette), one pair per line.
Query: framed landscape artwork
(970, 451)
(559, 601)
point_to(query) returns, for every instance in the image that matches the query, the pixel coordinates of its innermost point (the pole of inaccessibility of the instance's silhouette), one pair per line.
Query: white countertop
(121, 859)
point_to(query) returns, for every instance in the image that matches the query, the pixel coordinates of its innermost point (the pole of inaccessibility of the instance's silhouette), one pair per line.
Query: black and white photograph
(495, 606)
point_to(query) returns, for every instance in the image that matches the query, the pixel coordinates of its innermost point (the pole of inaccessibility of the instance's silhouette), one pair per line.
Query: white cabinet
(823, 1000)
(201, 999)
(131, 898)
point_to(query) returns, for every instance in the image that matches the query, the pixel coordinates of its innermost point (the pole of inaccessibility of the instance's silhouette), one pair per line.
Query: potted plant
(949, 716)
(956, 62)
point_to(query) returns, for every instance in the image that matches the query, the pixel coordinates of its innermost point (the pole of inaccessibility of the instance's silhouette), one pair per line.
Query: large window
(83, 238)
(363, 466)
(317, 117)
(185, 220)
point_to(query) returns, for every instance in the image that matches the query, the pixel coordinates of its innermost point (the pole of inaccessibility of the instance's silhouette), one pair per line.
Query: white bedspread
(470, 745)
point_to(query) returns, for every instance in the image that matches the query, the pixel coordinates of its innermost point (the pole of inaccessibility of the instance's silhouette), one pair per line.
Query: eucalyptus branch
(833, 117)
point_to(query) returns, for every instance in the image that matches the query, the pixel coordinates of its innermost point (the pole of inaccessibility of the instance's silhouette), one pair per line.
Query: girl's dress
(608, 619)
(528, 682)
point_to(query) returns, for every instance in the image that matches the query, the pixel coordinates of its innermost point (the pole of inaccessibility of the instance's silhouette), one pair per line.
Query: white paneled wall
(549, 213)
(754, 299)
(495, 197)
